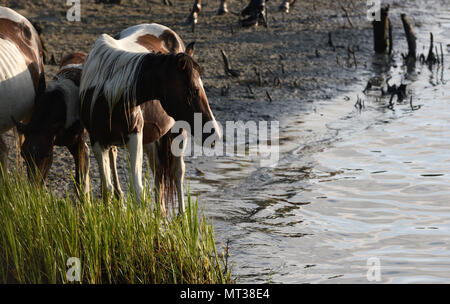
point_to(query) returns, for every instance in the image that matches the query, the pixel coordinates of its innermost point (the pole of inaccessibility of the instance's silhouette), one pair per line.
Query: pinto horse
(168, 169)
(56, 121)
(21, 72)
(120, 77)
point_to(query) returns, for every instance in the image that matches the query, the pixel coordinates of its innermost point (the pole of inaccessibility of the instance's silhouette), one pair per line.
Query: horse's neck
(69, 90)
(150, 83)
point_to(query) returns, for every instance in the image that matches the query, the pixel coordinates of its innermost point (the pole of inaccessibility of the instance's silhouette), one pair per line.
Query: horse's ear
(190, 49)
(182, 61)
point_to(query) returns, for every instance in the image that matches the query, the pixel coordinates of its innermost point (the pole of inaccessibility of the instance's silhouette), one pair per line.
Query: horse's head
(185, 96)
(40, 134)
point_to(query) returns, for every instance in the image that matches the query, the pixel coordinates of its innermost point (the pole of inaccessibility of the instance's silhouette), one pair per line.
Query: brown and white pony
(168, 169)
(56, 121)
(21, 72)
(132, 95)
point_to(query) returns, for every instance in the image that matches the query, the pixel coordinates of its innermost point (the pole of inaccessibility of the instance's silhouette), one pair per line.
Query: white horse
(21, 72)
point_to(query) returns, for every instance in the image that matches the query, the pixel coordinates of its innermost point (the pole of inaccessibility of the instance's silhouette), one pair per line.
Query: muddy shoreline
(293, 56)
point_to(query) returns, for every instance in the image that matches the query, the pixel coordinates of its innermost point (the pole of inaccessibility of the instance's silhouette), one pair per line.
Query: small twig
(250, 89)
(346, 15)
(352, 52)
(277, 81)
(258, 74)
(268, 96)
(330, 40)
(224, 91)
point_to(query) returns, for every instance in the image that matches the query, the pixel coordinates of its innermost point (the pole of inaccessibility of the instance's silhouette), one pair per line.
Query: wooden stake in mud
(410, 37)
(431, 58)
(381, 32)
(226, 64)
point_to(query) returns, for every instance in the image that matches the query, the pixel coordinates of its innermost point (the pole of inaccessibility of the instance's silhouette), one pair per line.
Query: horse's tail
(167, 159)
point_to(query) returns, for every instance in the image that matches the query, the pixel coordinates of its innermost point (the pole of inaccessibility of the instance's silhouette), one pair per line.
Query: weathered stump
(410, 38)
(382, 35)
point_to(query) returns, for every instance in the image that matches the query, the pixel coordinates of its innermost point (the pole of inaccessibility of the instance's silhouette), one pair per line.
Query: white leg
(135, 151)
(102, 156)
(115, 175)
(179, 170)
(3, 156)
(85, 172)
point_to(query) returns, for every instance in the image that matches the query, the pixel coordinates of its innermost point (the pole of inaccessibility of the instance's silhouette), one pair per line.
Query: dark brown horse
(56, 121)
(121, 79)
(21, 72)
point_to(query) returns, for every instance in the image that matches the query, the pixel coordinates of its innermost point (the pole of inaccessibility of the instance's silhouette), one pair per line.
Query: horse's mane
(112, 68)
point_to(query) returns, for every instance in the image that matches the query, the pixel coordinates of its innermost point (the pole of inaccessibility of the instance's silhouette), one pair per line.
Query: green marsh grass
(116, 242)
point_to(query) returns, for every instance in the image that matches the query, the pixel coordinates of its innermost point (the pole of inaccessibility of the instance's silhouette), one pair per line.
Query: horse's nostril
(213, 144)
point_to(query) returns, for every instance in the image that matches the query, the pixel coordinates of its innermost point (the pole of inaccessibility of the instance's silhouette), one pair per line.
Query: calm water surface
(350, 185)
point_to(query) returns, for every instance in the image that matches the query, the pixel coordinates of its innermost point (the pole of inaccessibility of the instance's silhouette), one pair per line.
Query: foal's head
(46, 123)
(185, 95)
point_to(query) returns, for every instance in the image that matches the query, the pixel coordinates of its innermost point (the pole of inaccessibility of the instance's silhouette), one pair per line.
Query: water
(350, 185)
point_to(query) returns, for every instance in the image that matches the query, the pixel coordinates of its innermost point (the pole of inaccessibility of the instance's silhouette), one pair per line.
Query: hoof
(222, 11)
(284, 7)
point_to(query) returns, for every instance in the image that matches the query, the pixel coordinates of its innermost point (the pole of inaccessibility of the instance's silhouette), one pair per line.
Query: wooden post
(381, 31)
(410, 37)
(431, 58)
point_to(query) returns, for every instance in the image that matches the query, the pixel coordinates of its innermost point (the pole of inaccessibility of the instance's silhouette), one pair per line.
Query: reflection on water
(350, 185)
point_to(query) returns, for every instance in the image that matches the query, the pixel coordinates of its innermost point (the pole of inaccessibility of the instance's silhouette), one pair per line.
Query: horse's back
(154, 37)
(21, 67)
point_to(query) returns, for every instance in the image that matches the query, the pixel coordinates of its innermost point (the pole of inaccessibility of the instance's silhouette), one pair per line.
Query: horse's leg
(285, 5)
(256, 10)
(135, 150)
(223, 8)
(193, 16)
(155, 164)
(18, 141)
(3, 156)
(115, 175)
(102, 156)
(80, 153)
(179, 170)
(19, 138)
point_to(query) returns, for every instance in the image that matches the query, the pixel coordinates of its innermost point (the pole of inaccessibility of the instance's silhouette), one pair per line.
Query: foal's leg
(155, 164)
(102, 156)
(19, 138)
(3, 156)
(115, 175)
(135, 151)
(80, 153)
